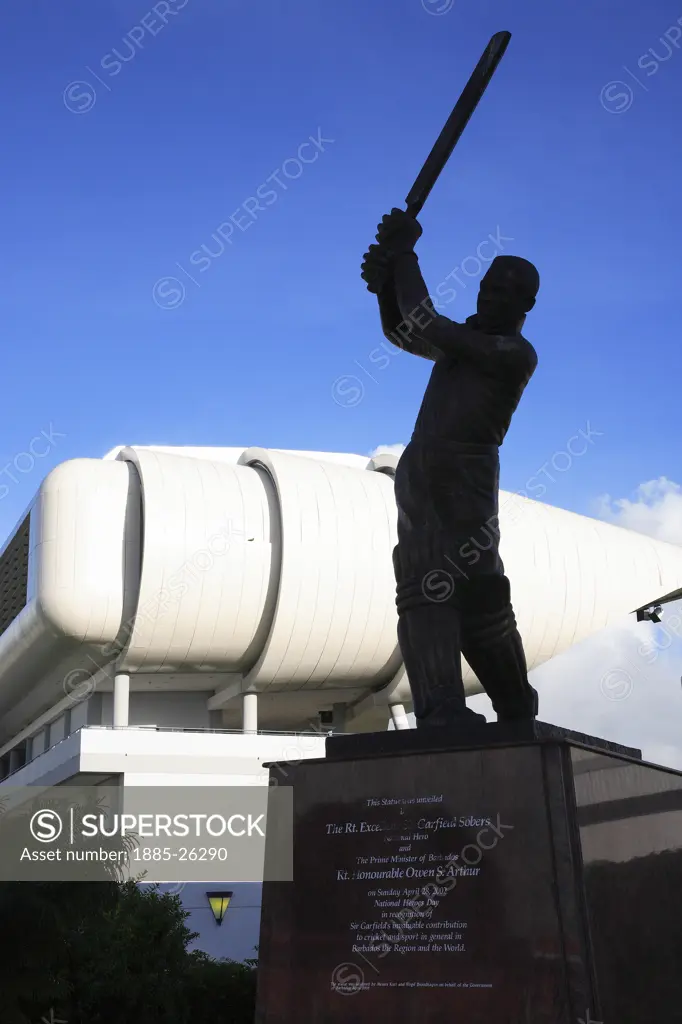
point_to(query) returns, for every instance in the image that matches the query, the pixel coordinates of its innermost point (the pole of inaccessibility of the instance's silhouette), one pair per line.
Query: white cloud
(656, 510)
(606, 686)
(388, 449)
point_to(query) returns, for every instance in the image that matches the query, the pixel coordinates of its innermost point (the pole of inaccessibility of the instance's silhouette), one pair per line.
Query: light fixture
(651, 614)
(219, 902)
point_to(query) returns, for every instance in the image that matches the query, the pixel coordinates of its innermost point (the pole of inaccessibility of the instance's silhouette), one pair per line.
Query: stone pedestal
(516, 875)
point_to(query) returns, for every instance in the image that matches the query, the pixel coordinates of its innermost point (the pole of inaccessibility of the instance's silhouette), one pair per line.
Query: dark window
(14, 576)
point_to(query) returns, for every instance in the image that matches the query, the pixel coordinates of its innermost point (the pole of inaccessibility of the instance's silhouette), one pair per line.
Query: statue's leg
(492, 645)
(429, 639)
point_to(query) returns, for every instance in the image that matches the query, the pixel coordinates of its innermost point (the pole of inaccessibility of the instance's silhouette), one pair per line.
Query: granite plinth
(535, 878)
(375, 744)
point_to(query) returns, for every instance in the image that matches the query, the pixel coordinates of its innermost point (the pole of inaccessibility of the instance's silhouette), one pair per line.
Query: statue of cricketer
(447, 480)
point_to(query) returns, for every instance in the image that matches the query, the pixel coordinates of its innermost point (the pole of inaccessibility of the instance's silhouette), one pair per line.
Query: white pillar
(121, 700)
(250, 712)
(399, 716)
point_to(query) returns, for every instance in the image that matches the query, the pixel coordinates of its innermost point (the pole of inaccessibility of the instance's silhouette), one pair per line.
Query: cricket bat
(457, 122)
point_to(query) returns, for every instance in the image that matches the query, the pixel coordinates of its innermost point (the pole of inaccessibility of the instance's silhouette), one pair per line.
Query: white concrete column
(399, 716)
(15, 761)
(121, 700)
(250, 712)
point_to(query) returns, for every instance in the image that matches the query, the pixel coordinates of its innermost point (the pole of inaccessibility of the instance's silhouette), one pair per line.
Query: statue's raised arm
(397, 235)
(401, 330)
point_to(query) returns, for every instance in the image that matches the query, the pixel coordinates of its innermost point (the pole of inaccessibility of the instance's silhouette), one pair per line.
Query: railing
(232, 732)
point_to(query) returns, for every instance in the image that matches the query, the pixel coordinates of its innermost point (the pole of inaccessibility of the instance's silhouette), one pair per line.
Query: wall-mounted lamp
(219, 902)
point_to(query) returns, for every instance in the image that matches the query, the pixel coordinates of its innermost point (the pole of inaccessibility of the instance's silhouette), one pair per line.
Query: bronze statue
(453, 597)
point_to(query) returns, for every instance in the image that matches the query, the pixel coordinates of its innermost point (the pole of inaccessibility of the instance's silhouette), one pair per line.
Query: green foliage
(111, 953)
(221, 987)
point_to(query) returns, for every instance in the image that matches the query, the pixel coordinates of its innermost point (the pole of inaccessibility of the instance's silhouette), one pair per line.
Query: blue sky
(108, 186)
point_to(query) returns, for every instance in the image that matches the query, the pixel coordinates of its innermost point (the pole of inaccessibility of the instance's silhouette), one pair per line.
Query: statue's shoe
(448, 717)
(521, 714)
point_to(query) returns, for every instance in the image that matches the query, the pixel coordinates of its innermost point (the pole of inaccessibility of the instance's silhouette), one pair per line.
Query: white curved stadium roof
(274, 568)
